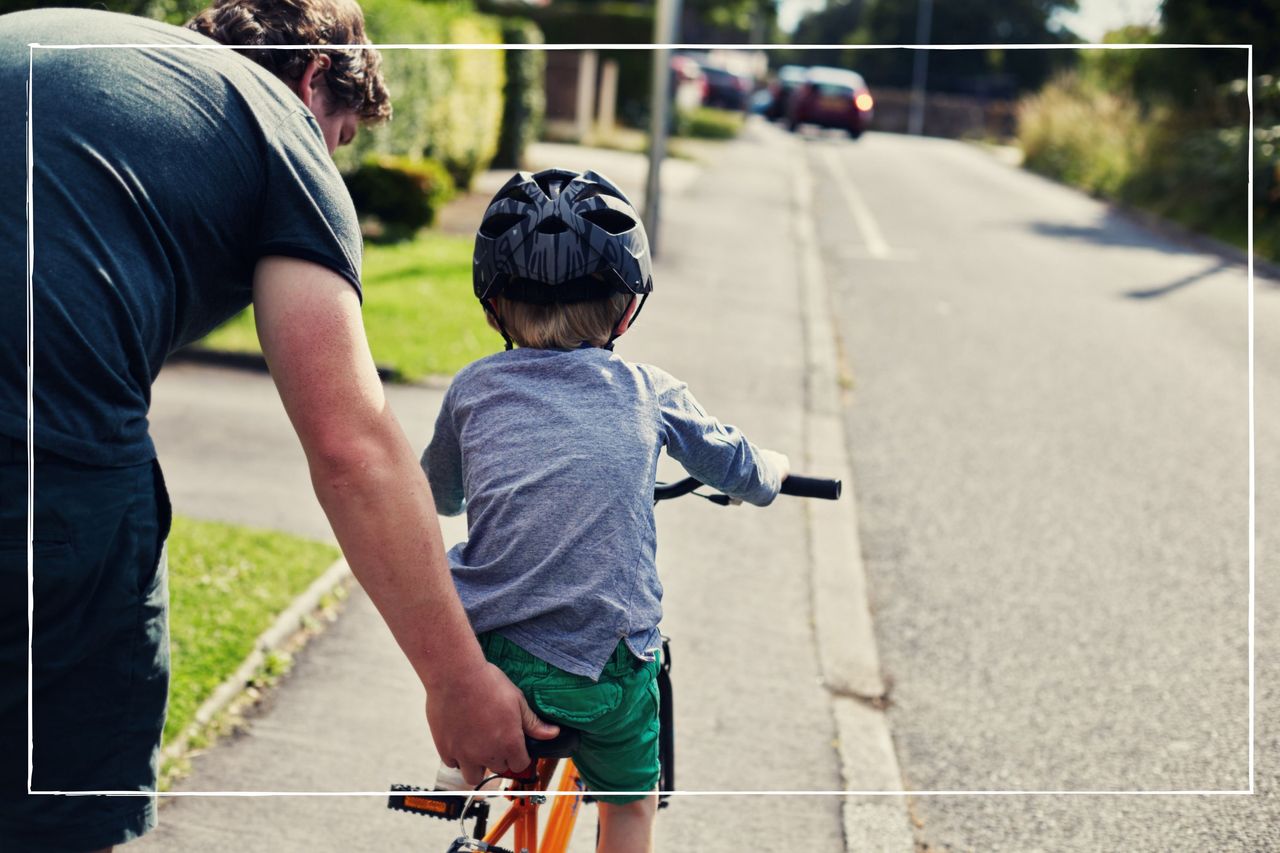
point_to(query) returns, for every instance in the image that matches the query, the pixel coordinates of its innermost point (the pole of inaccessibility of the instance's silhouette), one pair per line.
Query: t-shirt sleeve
(717, 454)
(306, 210)
(442, 462)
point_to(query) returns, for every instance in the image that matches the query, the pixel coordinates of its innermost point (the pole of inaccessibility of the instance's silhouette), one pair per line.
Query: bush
(524, 99)
(710, 123)
(1083, 135)
(1186, 163)
(396, 196)
(1266, 167)
(448, 103)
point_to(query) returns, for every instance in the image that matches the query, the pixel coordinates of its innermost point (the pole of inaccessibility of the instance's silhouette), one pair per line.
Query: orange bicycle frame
(522, 816)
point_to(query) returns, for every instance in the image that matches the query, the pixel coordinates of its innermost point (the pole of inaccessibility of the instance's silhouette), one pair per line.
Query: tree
(1226, 22)
(1194, 77)
(972, 22)
(730, 20)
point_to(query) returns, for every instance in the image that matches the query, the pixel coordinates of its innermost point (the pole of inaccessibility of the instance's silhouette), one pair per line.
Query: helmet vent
(552, 225)
(499, 224)
(600, 189)
(612, 221)
(517, 193)
(552, 181)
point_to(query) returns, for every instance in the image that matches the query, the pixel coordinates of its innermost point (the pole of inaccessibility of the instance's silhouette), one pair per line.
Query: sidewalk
(727, 316)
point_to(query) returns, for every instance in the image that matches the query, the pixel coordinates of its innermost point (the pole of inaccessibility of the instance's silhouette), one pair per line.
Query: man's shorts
(100, 651)
(617, 715)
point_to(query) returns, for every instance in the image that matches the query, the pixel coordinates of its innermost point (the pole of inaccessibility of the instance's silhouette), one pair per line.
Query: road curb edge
(290, 620)
(843, 630)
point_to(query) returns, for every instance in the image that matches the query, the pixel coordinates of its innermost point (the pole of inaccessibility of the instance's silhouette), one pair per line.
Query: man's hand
(480, 723)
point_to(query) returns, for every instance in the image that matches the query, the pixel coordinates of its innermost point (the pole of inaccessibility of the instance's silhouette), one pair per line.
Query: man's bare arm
(373, 491)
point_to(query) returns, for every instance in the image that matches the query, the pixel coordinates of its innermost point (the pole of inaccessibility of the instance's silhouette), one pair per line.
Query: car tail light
(863, 101)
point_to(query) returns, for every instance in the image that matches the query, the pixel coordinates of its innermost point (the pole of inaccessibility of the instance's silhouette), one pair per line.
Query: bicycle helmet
(559, 236)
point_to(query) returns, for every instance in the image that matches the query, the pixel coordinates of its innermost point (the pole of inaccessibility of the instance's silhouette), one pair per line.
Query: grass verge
(617, 138)
(711, 123)
(420, 314)
(227, 584)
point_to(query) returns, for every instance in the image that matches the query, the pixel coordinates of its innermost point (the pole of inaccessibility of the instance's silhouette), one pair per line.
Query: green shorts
(617, 715)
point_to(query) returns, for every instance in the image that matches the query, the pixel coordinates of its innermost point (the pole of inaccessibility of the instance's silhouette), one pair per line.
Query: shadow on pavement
(1119, 230)
(1154, 292)
(1115, 230)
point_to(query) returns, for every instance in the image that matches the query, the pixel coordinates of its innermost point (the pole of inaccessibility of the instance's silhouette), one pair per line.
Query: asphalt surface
(751, 714)
(1048, 422)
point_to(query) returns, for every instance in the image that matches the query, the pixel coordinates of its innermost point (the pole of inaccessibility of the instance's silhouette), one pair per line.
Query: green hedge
(397, 196)
(448, 103)
(524, 98)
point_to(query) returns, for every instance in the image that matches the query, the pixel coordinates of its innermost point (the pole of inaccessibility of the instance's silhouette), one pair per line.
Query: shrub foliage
(448, 103)
(396, 196)
(1107, 129)
(524, 101)
(710, 123)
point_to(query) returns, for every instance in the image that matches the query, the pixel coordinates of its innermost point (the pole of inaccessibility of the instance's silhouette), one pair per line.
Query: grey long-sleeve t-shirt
(553, 455)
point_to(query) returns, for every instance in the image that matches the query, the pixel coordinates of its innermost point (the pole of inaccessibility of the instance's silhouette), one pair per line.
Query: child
(552, 449)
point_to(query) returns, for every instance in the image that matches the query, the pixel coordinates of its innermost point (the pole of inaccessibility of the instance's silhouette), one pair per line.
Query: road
(1048, 421)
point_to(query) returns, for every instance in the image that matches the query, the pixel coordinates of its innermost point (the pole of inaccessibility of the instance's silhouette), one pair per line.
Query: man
(171, 187)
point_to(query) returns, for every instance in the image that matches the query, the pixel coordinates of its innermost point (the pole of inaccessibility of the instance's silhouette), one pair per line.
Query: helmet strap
(613, 337)
(498, 322)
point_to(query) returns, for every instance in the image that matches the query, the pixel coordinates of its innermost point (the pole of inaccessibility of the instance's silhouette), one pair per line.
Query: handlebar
(795, 485)
(812, 487)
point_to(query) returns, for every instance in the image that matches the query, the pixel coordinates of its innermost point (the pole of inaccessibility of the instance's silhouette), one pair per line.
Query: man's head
(342, 87)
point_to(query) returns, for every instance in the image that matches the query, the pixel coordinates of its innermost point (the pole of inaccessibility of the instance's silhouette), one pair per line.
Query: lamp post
(924, 22)
(665, 24)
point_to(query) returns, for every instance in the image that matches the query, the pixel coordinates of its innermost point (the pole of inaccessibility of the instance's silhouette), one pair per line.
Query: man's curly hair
(354, 75)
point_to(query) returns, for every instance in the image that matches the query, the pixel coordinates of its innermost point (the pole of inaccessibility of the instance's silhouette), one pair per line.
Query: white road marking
(877, 246)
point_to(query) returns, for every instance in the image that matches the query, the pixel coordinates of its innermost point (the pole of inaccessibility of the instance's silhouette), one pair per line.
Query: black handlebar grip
(811, 487)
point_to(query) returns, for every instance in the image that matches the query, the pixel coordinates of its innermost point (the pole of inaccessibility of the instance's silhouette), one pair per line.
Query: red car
(832, 97)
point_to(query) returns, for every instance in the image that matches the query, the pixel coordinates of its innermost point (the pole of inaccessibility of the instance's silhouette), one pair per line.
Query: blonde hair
(560, 325)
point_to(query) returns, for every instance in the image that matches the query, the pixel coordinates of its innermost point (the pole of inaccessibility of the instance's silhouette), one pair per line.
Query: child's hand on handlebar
(781, 462)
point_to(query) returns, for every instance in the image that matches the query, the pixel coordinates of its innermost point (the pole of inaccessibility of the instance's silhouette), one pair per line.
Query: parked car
(832, 97)
(725, 89)
(790, 77)
(688, 84)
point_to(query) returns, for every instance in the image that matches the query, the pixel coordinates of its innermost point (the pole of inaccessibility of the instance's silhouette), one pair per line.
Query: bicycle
(527, 789)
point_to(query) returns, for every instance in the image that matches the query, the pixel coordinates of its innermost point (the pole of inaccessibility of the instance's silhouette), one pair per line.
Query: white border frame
(1252, 544)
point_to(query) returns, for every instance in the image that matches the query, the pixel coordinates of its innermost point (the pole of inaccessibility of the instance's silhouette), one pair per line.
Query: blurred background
(1160, 130)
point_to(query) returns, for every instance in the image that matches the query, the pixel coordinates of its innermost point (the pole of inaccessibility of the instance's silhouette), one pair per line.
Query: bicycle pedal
(406, 798)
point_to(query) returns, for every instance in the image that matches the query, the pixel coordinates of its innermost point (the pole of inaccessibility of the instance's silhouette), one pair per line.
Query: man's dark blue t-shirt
(160, 177)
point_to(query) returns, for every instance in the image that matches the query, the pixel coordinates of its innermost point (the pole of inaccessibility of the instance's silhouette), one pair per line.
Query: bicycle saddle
(560, 746)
